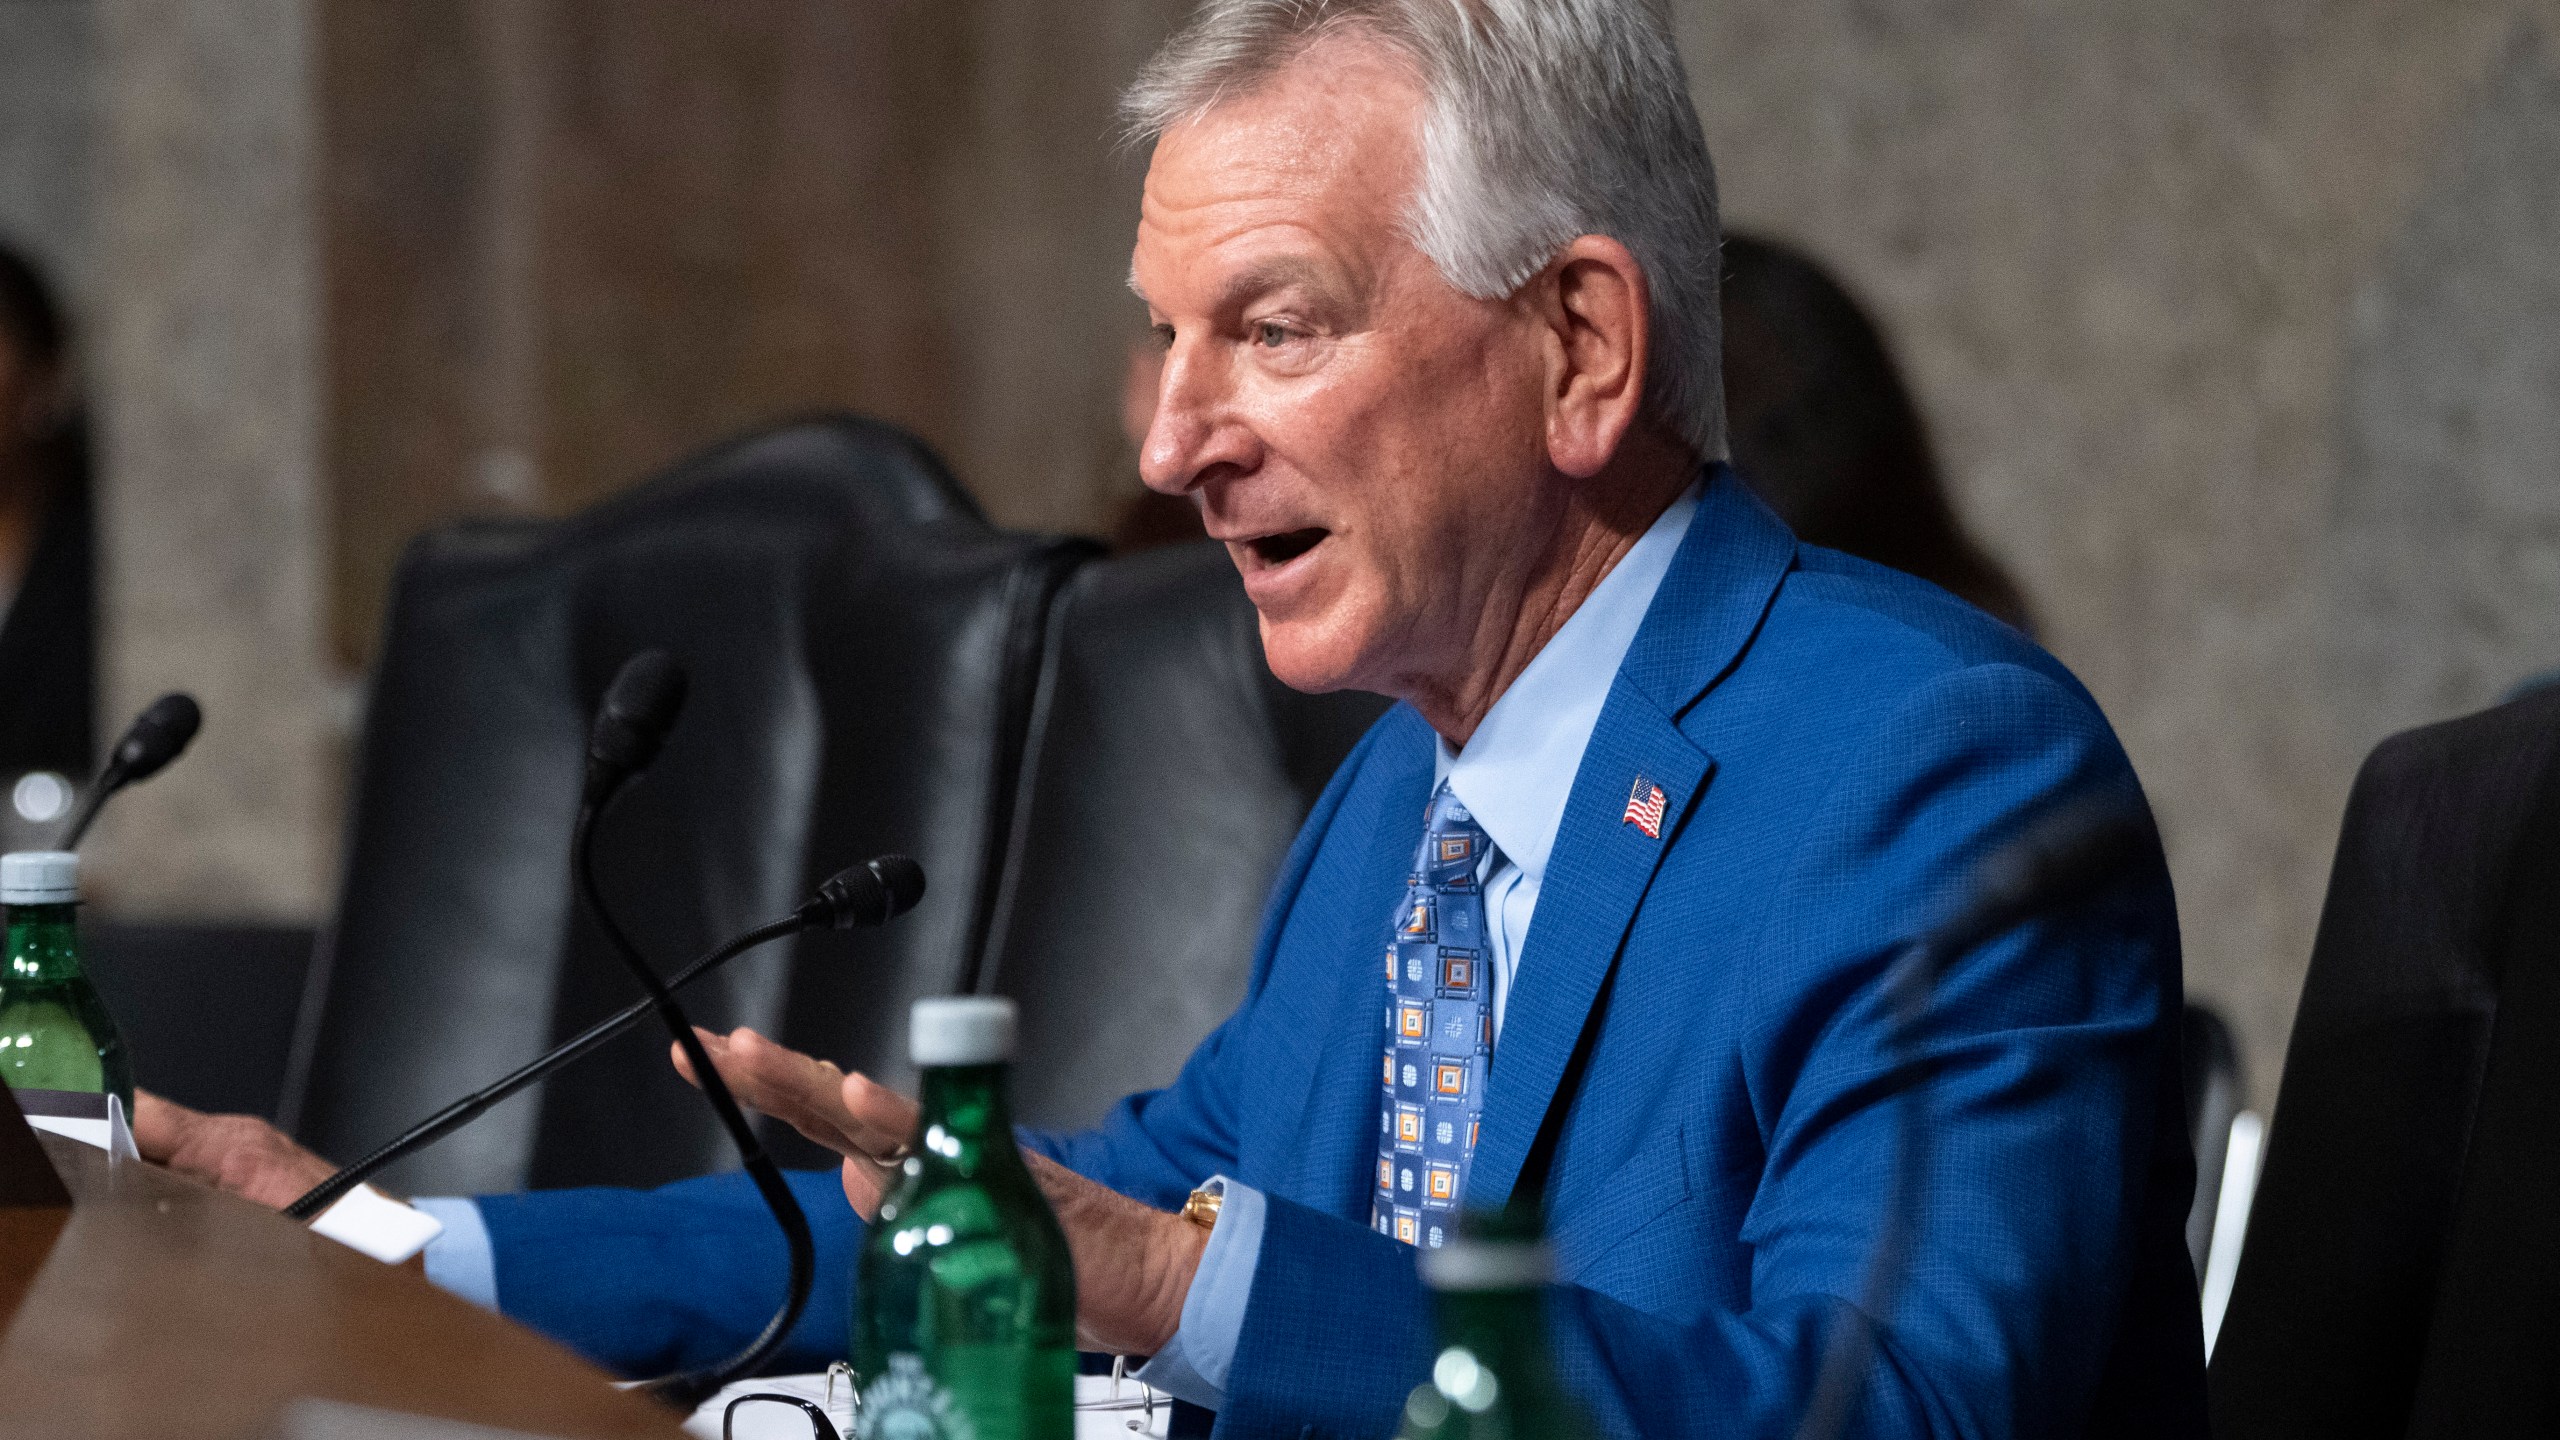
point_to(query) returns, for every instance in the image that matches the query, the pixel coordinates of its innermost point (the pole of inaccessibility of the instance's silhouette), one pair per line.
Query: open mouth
(1277, 550)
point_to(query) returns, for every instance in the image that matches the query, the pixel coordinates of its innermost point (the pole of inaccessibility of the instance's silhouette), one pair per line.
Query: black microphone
(155, 738)
(639, 708)
(632, 722)
(873, 893)
(2067, 858)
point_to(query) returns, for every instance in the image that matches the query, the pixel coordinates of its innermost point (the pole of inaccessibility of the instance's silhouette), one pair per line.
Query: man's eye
(1270, 334)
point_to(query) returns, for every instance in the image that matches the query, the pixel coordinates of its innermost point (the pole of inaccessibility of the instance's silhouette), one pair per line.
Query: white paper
(112, 1134)
(366, 1220)
(87, 1132)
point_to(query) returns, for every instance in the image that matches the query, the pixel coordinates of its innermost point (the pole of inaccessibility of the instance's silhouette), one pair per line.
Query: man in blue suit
(1600, 915)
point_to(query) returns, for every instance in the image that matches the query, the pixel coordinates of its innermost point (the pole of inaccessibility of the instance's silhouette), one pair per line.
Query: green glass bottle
(55, 1034)
(1493, 1378)
(965, 1306)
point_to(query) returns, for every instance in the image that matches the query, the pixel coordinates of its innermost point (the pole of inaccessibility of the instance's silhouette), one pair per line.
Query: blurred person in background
(1825, 430)
(47, 660)
(1823, 427)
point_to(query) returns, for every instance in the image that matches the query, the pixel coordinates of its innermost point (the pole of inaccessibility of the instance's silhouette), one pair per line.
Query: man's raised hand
(1133, 1262)
(865, 1122)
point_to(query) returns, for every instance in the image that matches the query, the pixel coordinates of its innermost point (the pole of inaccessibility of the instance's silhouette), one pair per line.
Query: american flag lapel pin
(1644, 808)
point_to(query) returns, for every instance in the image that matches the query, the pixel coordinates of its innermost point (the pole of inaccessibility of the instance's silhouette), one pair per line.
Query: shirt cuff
(460, 1261)
(1193, 1365)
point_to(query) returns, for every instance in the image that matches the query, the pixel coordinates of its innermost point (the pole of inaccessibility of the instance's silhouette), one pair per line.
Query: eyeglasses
(781, 1415)
(770, 1423)
(1113, 1399)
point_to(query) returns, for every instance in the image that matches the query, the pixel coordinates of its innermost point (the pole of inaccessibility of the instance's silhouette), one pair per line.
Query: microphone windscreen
(872, 893)
(159, 733)
(902, 879)
(639, 708)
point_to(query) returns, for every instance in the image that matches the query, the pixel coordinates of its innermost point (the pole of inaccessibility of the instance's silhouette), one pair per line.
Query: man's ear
(1595, 307)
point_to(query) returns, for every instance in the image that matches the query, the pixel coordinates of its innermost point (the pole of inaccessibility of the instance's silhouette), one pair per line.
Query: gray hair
(1546, 120)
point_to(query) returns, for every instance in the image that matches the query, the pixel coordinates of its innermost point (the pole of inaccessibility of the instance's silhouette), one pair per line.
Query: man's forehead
(1318, 159)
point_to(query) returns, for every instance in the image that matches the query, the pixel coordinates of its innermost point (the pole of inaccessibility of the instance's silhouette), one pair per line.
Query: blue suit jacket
(1693, 1056)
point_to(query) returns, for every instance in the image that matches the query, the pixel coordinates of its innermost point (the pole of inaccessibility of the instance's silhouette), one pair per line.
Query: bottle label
(909, 1404)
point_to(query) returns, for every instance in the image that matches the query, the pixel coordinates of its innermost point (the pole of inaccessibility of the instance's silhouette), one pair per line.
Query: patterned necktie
(1439, 1030)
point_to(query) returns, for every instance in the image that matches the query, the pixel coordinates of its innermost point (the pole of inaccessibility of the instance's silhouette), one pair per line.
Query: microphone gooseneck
(2059, 861)
(156, 737)
(2069, 857)
(820, 913)
(631, 725)
(688, 1388)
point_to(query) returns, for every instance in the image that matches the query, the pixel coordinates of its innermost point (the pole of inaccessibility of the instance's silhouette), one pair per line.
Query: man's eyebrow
(1263, 276)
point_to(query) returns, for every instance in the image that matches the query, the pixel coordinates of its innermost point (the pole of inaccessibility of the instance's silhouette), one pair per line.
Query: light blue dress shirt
(459, 1261)
(1514, 775)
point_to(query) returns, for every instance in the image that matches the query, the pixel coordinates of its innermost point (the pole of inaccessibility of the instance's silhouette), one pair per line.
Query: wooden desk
(166, 1309)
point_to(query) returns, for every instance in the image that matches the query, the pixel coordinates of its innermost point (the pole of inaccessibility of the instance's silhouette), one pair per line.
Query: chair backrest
(1166, 775)
(2401, 1273)
(864, 651)
(206, 1011)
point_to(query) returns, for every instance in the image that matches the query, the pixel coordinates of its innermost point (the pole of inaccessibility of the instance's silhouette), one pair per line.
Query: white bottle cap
(961, 1030)
(39, 877)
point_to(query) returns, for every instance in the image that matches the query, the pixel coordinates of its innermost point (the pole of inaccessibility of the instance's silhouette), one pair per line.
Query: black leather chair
(206, 1010)
(1166, 775)
(2401, 1275)
(864, 652)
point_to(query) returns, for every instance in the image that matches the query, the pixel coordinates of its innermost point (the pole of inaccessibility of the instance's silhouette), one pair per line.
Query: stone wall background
(2234, 319)
(213, 527)
(48, 52)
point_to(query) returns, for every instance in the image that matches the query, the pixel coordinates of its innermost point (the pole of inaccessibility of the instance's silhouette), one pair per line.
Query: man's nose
(1195, 431)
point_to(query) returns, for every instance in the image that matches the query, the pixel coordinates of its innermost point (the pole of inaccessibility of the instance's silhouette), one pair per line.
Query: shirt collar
(1518, 768)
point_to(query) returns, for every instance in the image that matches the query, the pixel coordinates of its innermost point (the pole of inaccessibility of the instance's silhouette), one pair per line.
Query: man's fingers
(852, 1115)
(795, 1088)
(239, 1153)
(806, 1094)
(684, 1063)
(866, 1184)
(881, 1120)
(160, 1126)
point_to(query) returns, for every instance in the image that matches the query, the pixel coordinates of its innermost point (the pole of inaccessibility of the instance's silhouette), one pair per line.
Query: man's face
(1367, 441)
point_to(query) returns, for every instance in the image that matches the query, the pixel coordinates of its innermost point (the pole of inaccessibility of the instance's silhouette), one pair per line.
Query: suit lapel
(1601, 867)
(1703, 616)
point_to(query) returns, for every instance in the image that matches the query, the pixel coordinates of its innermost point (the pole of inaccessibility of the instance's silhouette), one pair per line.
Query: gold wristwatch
(1202, 1208)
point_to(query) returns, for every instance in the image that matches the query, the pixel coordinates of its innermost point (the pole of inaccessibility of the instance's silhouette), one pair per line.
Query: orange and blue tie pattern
(1439, 1030)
